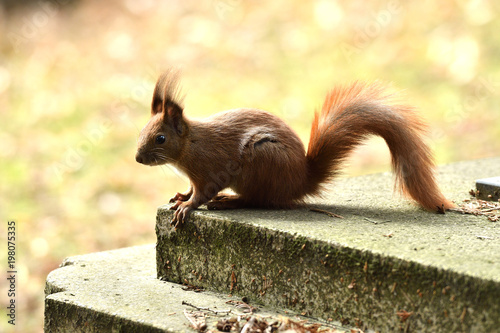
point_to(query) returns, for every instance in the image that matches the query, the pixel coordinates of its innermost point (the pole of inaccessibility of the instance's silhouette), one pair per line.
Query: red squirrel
(264, 162)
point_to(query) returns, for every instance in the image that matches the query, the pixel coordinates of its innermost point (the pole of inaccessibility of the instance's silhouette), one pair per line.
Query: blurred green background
(76, 79)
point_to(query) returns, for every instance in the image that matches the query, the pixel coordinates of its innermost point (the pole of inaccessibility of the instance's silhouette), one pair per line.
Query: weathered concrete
(117, 291)
(385, 257)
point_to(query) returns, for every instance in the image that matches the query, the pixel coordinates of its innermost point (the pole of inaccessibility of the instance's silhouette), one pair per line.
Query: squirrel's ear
(173, 117)
(157, 103)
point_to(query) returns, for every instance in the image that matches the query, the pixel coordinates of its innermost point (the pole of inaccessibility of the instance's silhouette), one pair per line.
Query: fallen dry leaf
(404, 315)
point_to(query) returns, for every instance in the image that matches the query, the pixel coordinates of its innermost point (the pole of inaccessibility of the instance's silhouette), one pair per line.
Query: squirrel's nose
(139, 158)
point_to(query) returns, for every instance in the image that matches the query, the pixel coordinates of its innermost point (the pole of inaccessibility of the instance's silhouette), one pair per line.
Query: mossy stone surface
(117, 291)
(385, 260)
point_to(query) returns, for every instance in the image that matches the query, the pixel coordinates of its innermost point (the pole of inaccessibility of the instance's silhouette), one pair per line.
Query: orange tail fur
(348, 116)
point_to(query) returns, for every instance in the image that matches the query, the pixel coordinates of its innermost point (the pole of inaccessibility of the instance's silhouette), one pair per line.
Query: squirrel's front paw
(180, 197)
(181, 214)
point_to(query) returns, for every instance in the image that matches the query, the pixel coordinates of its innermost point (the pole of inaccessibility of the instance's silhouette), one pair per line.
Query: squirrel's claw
(176, 205)
(181, 214)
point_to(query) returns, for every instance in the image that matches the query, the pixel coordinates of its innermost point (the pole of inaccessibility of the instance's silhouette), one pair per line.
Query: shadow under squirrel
(262, 159)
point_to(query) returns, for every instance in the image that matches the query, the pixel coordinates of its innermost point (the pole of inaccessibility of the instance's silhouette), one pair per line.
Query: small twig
(376, 222)
(190, 287)
(206, 309)
(245, 307)
(490, 209)
(484, 237)
(194, 319)
(248, 325)
(317, 210)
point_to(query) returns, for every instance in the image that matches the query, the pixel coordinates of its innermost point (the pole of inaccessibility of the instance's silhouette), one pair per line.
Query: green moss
(319, 278)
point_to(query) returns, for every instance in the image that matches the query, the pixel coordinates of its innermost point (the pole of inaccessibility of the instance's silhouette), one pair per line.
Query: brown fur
(352, 113)
(264, 162)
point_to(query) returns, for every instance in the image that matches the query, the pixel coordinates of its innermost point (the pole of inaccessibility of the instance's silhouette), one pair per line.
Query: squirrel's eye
(160, 139)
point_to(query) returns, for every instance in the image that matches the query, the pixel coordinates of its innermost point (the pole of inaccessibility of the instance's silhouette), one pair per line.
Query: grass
(76, 80)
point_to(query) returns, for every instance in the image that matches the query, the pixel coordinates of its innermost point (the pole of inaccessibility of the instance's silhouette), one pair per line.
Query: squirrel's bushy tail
(348, 116)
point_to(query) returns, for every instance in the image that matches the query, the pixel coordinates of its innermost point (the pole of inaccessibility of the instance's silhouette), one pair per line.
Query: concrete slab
(387, 265)
(117, 291)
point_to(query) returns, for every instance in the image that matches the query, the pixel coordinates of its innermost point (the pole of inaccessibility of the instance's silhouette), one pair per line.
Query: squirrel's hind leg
(225, 201)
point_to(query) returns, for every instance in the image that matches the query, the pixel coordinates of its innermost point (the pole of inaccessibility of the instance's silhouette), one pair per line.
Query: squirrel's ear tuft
(166, 100)
(166, 92)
